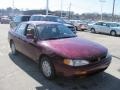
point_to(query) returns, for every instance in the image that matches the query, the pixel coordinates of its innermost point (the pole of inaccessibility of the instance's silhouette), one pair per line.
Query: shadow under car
(103, 81)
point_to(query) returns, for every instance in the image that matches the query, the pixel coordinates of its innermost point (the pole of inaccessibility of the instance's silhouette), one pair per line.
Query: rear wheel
(113, 33)
(47, 68)
(76, 28)
(13, 48)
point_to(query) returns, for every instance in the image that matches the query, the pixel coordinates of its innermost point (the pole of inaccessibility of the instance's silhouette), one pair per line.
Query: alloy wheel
(46, 68)
(113, 33)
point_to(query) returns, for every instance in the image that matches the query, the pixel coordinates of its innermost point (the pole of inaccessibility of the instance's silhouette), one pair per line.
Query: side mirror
(30, 36)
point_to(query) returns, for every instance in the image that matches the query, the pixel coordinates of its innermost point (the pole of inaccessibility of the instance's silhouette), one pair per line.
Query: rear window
(36, 18)
(25, 18)
(54, 19)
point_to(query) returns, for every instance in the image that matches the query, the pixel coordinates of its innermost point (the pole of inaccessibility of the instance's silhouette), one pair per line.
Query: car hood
(75, 48)
(68, 25)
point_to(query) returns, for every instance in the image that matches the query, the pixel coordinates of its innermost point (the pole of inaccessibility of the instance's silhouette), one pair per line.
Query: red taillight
(82, 26)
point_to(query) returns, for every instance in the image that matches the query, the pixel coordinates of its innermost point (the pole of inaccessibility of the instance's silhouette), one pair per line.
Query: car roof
(112, 22)
(107, 22)
(40, 22)
(22, 15)
(44, 15)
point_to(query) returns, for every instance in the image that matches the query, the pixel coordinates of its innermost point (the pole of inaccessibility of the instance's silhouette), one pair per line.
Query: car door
(98, 26)
(31, 48)
(105, 28)
(19, 36)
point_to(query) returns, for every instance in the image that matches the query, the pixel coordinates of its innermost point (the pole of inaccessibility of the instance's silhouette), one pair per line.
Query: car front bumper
(69, 71)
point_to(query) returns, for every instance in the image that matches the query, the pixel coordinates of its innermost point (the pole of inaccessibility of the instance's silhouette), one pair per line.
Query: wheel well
(11, 41)
(93, 28)
(112, 31)
(43, 55)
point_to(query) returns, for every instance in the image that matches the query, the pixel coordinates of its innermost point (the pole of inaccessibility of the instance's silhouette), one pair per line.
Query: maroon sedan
(57, 50)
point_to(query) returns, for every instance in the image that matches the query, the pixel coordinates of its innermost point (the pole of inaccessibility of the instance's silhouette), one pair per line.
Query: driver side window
(104, 24)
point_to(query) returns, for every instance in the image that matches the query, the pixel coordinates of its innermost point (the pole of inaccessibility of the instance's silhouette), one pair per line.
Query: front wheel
(47, 68)
(92, 30)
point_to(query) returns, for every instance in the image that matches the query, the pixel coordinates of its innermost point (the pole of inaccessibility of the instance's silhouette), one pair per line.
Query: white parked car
(111, 28)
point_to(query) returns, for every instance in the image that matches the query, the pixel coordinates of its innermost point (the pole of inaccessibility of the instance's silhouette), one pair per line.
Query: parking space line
(116, 57)
(1, 54)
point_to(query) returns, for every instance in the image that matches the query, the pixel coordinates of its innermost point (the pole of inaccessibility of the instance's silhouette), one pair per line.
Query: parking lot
(20, 73)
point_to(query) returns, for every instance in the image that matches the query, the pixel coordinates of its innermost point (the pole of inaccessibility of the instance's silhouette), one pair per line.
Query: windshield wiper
(52, 38)
(68, 36)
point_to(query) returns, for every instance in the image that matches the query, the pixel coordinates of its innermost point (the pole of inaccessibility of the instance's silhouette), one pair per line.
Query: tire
(76, 28)
(11, 26)
(113, 33)
(13, 48)
(47, 68)
(92, 30)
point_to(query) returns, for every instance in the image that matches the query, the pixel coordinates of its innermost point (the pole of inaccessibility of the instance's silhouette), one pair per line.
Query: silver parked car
(111, 28)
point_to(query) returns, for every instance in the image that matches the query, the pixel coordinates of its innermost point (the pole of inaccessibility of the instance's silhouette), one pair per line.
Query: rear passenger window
(104, 24)
(25, 18)
(99, 23)
(21, 29)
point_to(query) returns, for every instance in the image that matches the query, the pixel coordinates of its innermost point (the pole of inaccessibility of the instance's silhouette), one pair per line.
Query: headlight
(108, 55)
(75, 62)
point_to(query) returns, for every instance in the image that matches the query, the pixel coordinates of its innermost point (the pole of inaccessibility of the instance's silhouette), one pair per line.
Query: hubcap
(113, 33)
(13, 48)
(92, 30)
(46, 68)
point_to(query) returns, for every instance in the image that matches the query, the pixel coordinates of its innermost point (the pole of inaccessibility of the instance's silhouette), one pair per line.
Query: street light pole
(113, 10)
(47, 3)
(70, 11)
(101, 1)
(61, 7)
(13, 6)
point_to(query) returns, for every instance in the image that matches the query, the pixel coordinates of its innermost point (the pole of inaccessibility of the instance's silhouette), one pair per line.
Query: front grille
(96, 59)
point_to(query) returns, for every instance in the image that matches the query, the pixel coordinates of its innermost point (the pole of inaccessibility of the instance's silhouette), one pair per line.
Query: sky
(78, 6)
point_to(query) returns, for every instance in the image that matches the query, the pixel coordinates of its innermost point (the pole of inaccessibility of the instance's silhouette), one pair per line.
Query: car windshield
(54, 19)
(54, 31)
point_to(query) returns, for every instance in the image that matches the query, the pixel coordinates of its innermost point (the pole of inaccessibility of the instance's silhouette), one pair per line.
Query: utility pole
(113, 10)
(13, 7)
(102, 1)
(70, 11)
(47, 8)
(61, 7)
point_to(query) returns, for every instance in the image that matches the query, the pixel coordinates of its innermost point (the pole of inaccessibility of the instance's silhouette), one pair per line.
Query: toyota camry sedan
(57, 50)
